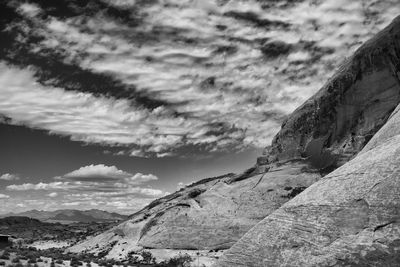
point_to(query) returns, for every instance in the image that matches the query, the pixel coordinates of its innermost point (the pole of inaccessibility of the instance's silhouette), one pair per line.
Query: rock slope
(211, 214)
(351, 217)
(321, 135)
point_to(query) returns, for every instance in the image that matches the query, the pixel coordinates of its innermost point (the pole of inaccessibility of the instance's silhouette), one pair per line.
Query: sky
(111, 104)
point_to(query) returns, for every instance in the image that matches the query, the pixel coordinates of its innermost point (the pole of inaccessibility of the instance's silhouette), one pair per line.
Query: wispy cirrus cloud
(39, 186)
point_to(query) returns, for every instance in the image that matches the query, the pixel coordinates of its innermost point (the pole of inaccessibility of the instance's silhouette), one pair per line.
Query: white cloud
(9, 177)
(39, 186)
(103, 173)
(150, 192)
(29, 9)
(53, 194)
(182, 185)
(141, 178)
(2, 196)
(98, 171)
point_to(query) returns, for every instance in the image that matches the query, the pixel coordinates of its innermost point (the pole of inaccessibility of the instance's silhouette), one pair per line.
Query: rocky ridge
(351, 216)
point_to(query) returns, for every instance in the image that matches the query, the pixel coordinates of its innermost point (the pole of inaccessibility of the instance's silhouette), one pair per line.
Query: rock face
(210, 214)
(343, 116)
(351, 217)
(321, 135)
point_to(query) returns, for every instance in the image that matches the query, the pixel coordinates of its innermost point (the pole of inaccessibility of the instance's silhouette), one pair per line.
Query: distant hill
(70, 216)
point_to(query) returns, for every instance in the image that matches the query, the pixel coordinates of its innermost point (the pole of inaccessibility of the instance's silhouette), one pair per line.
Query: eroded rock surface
(351, 217)
(343, 116)
(211, 214)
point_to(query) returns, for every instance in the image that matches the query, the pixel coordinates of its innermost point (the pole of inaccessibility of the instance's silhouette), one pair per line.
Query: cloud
(97, 172)
(141, 178)
(182, 185)
(211, 74)
(107, 174)
(39, 186)
(9, 177)
(151, 192)
(54, 194)
(29, 9)
(2, 196)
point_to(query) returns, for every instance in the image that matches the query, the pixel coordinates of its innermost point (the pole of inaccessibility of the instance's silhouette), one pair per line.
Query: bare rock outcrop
(210, 214)
(343, 116)
(351, 217)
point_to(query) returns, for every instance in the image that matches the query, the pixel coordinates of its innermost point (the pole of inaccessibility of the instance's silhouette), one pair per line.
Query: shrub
(76, 262)
(2, 263)
(147, 257)
(16, 260)
(177, 261)
(32, 260)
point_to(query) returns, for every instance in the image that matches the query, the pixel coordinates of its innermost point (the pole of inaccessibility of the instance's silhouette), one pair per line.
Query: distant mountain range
(70, 216)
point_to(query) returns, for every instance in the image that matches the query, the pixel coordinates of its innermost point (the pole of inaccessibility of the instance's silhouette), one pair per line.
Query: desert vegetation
(29, 256)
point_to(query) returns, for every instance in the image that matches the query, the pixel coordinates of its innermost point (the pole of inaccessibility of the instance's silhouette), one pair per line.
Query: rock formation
(210, 214)
(351, 217)
(323, 134)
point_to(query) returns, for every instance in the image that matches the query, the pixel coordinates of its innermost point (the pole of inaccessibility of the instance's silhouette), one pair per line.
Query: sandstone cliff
(351, 217)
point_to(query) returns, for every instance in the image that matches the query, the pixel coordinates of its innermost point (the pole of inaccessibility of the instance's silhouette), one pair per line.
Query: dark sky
(35, 156)
(110, 104)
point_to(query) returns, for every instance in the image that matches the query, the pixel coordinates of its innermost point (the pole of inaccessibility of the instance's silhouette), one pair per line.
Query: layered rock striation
(351, 217)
